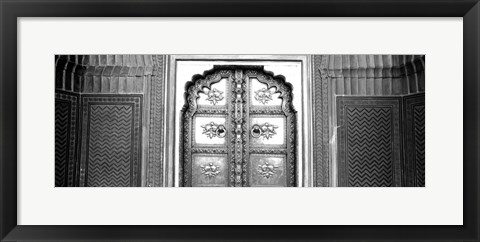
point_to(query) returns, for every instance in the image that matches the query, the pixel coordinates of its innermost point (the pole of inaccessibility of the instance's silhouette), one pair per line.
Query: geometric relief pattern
(414, 138)
(110, 146)
(155, 159)
(369, 149)
(62, 114)
(321, 137)
(419, 136)
(65, 138)
(111, 140)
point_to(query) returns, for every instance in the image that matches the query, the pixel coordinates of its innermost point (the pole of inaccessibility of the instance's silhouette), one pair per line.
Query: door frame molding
(304, 159)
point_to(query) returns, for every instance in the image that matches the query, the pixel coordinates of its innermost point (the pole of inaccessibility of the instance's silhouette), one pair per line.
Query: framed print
(279, 120)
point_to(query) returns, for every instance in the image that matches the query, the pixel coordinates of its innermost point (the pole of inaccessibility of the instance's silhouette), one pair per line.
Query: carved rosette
(263, 95)
(214, 96)
(213, 129)
(267, 170)
(210, 170)
(265, 130)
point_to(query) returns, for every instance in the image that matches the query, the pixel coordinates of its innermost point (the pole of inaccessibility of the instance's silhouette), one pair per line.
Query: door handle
(221, 131)
(266, 130)
(256, 131)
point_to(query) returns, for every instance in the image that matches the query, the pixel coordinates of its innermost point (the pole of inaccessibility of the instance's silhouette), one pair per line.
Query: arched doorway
(238, 129)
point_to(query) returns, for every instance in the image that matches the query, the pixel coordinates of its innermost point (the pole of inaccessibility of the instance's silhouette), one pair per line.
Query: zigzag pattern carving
(110, 146)
(321, 167)
(155, 158)
(419, 132)
(369, 147)
(62, 114)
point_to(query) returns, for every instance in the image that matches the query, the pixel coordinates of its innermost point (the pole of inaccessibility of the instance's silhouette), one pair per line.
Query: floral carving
(213, 129)
(267, 170)
(238, 109)
(214, 96)
(285, 90)
(263, 95)
(265, 130)
(210, 170)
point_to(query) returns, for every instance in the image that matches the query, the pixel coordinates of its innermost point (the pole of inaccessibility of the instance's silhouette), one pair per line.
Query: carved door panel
(238, 129)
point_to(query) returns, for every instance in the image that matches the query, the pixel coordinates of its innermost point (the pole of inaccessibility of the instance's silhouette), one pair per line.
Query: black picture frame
(12, 9)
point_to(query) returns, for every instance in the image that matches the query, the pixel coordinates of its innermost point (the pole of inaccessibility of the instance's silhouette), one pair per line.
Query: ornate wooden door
(238, 129)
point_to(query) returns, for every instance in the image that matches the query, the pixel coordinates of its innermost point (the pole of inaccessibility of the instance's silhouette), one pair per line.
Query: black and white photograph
(240, 120)
(266, 120)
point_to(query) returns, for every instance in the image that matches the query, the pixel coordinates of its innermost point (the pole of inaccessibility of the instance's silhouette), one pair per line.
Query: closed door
(238, 129)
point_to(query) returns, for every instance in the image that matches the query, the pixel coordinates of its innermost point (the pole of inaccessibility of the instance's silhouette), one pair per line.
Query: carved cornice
(373, 66)
(103, 73)
(379, 75)
(107, 65)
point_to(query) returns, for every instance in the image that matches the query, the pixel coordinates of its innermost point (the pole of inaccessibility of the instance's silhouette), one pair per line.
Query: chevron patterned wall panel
(414, 140)
(111, 140)
(66, 108)
(369, 141)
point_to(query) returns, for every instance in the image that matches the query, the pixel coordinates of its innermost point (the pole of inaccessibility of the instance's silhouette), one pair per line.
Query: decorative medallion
(214, 96)
(265, 130)
(263, 95)
(213, 129)
(267, 170)
(210, 170)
